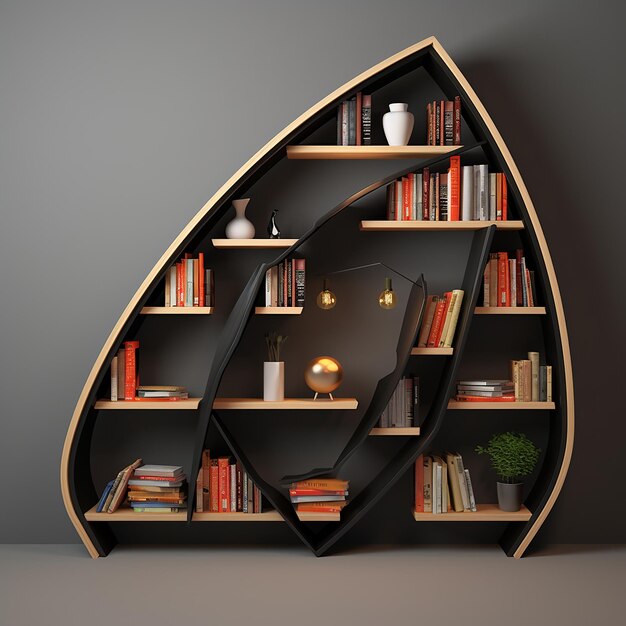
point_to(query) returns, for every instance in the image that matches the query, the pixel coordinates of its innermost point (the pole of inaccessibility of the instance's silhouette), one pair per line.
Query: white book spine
(189, 284)
(268, 288)
(470, 490)
(454, 318)
(548, 383)
(467, 196)
(114, 379)
(233, 488)
(513, 280)
(492, 196)
(484, 192)
(437, 487)
(419, 182)
(399, 201)
(173, 286)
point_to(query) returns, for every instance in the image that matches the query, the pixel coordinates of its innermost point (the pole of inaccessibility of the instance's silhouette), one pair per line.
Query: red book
(503, 270)
(224, 485)
(435, 329)
(214, 486)
(181, 281)
(406, 198)
(426, 194)
(130, 382)
(201, 279)
(504, 198)
(454, 189)
(457, 120)
(419, 484)
(317, 492)
(507, 398)
(446, 307)
(518, 278)
(359, 113)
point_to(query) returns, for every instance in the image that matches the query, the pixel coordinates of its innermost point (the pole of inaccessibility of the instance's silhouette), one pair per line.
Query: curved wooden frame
(430, 54)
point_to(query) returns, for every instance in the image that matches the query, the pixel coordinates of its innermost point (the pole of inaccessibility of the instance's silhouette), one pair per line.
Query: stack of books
(162, 392)
(443, 121)
(403, 408)
(532, 382)
(124, 372)
(485, 391)
(157, 489)
(319, 495)
(508, 282)
(465, 193)
(223, 486)
(188, 283)
(443, 484)
(115, 490)
(285, 283)
(440, 319)
(354, 121)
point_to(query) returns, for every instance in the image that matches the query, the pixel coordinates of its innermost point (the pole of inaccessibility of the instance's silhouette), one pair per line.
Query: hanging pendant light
(387, 298)
(326, 298)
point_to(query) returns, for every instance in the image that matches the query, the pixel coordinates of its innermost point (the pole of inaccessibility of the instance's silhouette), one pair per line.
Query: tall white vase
(398, 124)
(240, 227)
(274, 381)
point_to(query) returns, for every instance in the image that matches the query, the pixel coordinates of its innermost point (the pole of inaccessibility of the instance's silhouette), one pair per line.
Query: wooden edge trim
(554, 286)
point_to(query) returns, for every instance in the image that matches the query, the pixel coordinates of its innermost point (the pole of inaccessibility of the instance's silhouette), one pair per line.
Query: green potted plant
(513, 456)
(274, 369)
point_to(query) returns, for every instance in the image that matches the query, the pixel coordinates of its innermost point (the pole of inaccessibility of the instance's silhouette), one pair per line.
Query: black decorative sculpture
(272, 228)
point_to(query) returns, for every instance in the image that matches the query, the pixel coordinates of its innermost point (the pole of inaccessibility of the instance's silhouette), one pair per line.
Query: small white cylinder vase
(398, 124)
(274, 381)
(240, 227)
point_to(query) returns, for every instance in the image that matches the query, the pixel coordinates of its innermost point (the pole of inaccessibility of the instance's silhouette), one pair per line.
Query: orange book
(454, 189)
(504, 198)
(504, 299)
(201, 279)
(131, 381)
(214, 486)
(436, 328)
(419, 484)
(321, 507)
(224, 484)
(321, 483)
(446, 312)
(196, 283)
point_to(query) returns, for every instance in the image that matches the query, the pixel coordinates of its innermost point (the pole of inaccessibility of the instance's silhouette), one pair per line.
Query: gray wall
(119, 119)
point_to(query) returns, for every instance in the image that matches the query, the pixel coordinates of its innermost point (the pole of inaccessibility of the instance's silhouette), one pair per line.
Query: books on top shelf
(354, 121)
(319, 495)
(442, 484)
(157, 489)
(443, 122)
(465, 193)
(402, 411)
(285, 284)
(507, 282)
(440, 320)
(189, 283)
(223, 486)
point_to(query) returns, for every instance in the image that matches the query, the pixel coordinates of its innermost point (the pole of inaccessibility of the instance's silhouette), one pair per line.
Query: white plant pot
(398, 124)
(240, 227)
(274, 381)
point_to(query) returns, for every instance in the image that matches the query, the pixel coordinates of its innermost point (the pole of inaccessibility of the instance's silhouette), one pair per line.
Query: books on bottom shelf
(285, 284)
(402, 411)
(440, 320)
(158, 489)
(507, 282)
(442, 484)
(223, 486)
(319, 495)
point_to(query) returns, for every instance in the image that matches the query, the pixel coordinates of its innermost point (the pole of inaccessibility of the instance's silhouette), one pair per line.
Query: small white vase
(398, 124)
(240, 227)
(274, 381)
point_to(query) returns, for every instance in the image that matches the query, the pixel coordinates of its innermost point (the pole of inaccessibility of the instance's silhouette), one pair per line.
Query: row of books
(223, 486)
(354, 121)
(124, 372)
(443, 484)
(440, 319)
(285, 283)
(189, 283)
(443, 122)
(319, 495)
(508, 282)
(402, 411)
(465, 193)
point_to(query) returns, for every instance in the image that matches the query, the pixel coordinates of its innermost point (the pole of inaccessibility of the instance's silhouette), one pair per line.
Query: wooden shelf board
(510, 310)
(368, 152)
(266, 516)
(177, 310)
(409, 225)
(278, 310)
(253, 243)
(139, 405)
(126, 514)
(497, 406)
(485, 513)
(395, 432)
(287, 403)
(432, 351)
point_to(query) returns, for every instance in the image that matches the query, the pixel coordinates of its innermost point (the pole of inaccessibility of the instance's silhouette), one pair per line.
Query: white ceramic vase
(398, 124)
(274, 381)
(240, 227)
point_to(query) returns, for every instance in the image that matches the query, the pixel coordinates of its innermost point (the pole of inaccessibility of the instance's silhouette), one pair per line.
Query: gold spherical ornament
(323, 374)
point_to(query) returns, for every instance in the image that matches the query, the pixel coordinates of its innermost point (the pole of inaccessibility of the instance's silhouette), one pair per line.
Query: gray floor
(59, 584)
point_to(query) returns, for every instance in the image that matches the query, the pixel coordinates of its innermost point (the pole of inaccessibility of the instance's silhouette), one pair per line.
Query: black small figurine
(272, 228)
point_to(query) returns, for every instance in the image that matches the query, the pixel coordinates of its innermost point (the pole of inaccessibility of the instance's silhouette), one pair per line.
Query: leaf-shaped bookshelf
(79, 484)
